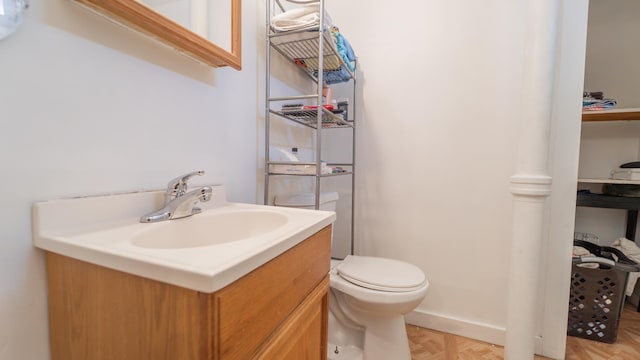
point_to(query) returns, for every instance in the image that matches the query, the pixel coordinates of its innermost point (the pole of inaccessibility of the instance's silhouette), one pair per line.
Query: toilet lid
(381, 274)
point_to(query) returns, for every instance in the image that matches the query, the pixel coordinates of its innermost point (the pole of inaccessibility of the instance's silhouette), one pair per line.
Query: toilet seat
(381, 274)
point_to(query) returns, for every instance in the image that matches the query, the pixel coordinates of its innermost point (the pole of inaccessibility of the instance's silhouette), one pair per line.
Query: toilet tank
(308, 200)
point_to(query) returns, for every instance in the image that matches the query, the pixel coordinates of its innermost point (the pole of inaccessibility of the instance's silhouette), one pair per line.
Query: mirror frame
(136, 15)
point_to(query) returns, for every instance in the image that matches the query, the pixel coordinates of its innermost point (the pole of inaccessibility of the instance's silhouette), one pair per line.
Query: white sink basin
(204, 252)
(209, 228)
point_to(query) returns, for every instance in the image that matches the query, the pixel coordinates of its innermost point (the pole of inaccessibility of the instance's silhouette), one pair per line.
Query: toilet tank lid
(381, 273)
(305, 199)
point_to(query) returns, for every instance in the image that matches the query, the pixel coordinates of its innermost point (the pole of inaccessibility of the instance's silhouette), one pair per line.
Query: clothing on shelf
(348, 59)
(593, 94)
(632, 251)
(595, 100)
(344, 48)
(579, 251)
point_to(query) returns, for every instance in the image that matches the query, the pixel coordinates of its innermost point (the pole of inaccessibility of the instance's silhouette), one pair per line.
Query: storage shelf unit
(631, 204)
(302, 168)
(608, 181)
(302, 47)
(309, 117)
(611, 115)
(309, 51)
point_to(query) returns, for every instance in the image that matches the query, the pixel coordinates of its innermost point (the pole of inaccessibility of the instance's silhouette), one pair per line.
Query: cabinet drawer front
(304, 334)
(258, 303)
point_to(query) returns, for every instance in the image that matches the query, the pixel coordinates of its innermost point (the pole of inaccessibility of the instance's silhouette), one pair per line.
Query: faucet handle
(178, 186)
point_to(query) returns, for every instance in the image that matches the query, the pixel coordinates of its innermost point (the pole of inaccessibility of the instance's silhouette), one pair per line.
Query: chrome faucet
(178, 202)
(178, 186)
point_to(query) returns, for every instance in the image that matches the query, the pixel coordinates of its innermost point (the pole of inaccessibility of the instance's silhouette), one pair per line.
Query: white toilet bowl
(368, 300)
(369, 297)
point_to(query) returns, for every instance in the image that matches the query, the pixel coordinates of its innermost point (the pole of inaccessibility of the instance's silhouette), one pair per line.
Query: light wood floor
(434, 345)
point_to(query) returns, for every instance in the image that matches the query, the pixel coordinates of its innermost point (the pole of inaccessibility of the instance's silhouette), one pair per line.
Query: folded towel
(632, 251)
(303, 17)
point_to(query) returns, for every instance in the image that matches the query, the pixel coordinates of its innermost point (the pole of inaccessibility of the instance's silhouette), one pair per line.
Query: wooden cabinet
(277, 311)
(303, 333)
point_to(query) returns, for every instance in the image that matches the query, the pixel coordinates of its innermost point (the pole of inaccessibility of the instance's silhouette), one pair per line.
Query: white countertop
(100, 230)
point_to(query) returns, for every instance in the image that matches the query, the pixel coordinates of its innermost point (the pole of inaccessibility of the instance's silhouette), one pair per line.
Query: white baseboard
(462, 327)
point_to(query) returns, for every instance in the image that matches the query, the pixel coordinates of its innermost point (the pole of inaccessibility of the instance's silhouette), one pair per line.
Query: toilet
(368, 299)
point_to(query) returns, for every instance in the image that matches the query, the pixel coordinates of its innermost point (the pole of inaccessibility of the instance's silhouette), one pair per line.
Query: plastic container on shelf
(308, 200)
(625, 174)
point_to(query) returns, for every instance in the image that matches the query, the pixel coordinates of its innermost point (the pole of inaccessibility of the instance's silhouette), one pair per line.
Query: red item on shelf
(327, 106)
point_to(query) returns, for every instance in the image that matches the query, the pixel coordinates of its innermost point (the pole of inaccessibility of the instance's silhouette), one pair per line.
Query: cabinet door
(248, 311)
(303, 336)
(98, 313)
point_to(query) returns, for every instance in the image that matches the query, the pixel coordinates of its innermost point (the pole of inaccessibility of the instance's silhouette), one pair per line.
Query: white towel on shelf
(632, 251)
(303, 17)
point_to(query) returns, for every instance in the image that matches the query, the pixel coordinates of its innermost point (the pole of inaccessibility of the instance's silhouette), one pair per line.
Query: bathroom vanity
(278, 311)
(115, 301)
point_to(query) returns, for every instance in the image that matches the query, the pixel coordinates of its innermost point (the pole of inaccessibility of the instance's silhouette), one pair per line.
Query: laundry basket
(597, 294)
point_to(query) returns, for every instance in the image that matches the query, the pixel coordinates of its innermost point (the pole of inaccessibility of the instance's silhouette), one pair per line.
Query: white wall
(441, 87)
(439, 112)
(88, 107)
(611, 67)
(613, 50)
